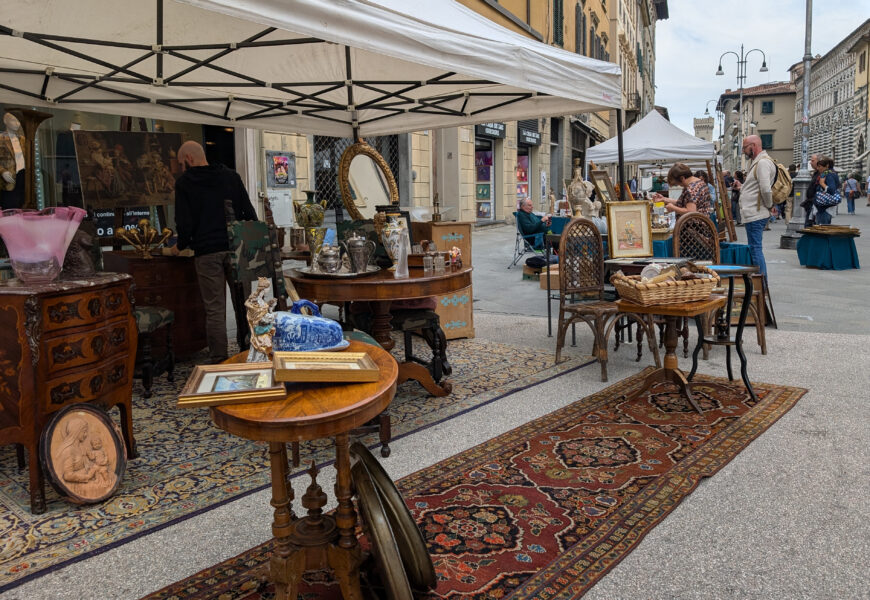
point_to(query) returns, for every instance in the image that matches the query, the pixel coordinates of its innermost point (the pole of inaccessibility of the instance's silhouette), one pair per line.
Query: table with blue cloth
(835, 252)
(661, 248)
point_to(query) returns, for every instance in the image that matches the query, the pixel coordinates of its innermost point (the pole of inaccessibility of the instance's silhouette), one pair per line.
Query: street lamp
(741, 79)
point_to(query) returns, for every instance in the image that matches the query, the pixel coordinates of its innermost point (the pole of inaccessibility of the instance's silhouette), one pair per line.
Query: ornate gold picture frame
(383, 177)
(231, 383)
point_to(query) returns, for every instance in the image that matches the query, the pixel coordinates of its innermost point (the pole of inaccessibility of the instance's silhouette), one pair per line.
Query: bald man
(200, 196)
(756, 197)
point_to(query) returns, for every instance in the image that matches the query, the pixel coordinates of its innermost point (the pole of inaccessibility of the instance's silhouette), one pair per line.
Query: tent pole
(621, 171)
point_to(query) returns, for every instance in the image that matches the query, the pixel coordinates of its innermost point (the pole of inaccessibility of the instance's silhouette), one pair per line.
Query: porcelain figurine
(295, 332)
(261, 321)
(580, 192)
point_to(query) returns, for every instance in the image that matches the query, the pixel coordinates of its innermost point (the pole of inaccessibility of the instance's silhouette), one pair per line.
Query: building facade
(704, 128)
(767, 111)
(860, 50)
(836, 123)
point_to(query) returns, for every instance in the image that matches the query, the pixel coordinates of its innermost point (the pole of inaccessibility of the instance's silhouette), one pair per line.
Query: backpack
(781, 186)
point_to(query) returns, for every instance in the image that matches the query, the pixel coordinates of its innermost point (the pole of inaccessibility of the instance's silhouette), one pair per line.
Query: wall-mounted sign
(528, 137)
(491, 130)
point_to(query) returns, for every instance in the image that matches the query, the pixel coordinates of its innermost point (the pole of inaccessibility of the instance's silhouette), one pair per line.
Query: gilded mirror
(365, 181)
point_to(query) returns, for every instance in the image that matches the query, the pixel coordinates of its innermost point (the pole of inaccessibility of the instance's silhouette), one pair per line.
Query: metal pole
(621, 172)
(741, 76)
(802, 181)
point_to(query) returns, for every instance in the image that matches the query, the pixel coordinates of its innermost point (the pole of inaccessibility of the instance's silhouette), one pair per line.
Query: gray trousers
(212, 276)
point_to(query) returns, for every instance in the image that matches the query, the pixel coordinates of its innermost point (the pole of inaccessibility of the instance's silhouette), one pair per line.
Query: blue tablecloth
(732, 253)
(557, 224)
(828, 252)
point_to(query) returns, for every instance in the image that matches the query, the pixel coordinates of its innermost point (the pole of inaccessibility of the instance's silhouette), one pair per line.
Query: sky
(697, 32)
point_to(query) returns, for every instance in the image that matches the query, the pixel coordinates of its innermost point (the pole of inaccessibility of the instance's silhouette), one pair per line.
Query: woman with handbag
(850, 188)
(828, 190)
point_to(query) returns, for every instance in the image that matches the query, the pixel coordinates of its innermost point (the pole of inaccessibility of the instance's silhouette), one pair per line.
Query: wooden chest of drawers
(454, 310)
(170, 282)
(63, 343)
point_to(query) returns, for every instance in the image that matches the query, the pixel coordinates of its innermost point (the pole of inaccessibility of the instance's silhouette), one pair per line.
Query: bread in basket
(630, 287)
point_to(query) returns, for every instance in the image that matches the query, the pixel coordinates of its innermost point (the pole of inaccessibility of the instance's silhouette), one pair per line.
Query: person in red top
(695, 196)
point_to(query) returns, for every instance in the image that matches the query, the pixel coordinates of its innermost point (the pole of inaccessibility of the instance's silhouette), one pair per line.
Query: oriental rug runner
(188, 466)
(545, 510)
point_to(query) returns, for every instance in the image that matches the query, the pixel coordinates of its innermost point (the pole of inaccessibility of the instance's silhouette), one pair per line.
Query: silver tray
(320, 274)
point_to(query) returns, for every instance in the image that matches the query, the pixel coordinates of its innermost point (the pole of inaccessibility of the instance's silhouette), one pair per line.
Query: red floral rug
(545, 510)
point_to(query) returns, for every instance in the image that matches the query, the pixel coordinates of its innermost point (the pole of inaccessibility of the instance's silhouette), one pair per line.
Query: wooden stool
(150, 319)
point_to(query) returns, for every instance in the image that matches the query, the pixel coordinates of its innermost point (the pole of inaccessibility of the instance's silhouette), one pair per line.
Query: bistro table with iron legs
(311, 411)
(672, 313)
(722, 335)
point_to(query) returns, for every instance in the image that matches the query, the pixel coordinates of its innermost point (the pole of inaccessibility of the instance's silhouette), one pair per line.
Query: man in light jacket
(756, 198)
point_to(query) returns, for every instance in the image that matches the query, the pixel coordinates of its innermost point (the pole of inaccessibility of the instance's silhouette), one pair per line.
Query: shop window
(767, 107)
(483, 186)
(766, 141)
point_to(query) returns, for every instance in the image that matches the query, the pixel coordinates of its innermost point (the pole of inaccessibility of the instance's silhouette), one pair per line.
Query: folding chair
(526, 244)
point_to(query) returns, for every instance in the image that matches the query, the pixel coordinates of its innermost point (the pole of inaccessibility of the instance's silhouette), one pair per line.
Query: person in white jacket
(756, 198)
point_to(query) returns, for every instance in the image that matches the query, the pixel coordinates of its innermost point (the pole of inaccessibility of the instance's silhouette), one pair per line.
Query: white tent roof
(653, 139)
(309, 66)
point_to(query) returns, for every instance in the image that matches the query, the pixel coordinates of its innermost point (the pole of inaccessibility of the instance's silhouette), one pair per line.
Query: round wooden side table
(311, 411)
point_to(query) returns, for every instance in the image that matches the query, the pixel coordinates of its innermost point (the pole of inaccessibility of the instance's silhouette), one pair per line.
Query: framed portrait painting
(603, 186)
(628, 229)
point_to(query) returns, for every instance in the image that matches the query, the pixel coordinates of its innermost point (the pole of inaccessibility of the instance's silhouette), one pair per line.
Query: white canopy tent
(655, 140)
(339, 67)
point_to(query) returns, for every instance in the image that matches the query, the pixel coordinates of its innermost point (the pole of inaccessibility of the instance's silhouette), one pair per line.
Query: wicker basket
(630, 288)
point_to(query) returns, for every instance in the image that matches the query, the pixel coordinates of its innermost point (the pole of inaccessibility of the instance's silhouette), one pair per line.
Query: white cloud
(690, 42)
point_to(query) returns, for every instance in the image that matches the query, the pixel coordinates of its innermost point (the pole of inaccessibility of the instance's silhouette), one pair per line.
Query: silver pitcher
(360, 250)
(329, 259)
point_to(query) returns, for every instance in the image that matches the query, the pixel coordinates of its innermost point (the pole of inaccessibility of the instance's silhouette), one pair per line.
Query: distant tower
(704, 128)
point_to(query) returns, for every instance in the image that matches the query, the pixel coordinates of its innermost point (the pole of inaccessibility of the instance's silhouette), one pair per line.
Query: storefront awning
(306, 66)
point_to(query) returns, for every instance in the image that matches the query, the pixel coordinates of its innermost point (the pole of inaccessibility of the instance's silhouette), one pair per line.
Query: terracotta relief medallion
(82, 453)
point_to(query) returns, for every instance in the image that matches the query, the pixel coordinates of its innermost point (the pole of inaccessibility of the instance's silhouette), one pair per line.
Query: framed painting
(481, 191)
(603, 186)
(628, 229)
(232, 383)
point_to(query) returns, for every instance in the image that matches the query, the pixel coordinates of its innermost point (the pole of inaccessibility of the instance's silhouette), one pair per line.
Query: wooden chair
(696, 236)
(581, 291)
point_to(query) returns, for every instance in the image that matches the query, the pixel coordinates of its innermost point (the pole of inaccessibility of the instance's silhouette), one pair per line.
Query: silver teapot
(360, 250)
(329, 259)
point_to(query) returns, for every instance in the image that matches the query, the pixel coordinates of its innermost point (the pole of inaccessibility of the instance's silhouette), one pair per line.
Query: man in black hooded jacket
(201, 193)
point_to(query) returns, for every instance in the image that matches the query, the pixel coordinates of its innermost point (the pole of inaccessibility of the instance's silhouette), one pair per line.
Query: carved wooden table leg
(345, 556)
(670, 373)
(37, 489)
(285, 568)
(381, 325)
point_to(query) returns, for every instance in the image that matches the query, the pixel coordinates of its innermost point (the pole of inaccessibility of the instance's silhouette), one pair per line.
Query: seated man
(530, 224)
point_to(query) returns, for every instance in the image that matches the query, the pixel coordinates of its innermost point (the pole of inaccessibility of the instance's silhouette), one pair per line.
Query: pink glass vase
(37, 240)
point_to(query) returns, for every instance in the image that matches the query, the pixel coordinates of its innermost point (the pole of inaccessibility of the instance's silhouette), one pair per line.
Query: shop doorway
(484, 187)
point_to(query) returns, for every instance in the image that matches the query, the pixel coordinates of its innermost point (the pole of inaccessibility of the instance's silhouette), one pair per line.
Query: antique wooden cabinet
(62, 343)
(455, 310)
(170, 282)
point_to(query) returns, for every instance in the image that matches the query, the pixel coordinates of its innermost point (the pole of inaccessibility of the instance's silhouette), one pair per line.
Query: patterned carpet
(545, 510)
(187, 466)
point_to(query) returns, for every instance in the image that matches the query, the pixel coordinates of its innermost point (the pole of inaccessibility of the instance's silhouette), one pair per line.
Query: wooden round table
(311, 411)
(380, 289)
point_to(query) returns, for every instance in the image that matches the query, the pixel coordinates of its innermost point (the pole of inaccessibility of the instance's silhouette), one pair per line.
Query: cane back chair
(581, 291)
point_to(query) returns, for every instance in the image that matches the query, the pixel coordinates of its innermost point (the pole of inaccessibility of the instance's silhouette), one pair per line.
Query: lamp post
(741, 79)
(802, 181)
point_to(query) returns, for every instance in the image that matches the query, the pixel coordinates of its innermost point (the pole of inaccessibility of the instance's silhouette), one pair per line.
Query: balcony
(632, 101)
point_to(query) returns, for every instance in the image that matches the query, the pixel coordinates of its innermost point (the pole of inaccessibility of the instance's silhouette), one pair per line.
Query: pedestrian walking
(829, 183)
(850, 189)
